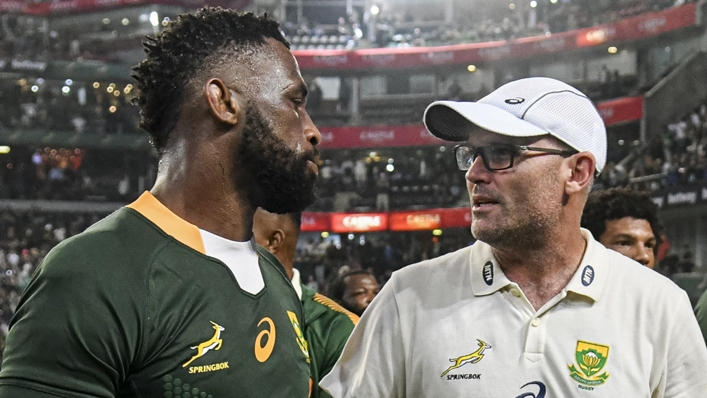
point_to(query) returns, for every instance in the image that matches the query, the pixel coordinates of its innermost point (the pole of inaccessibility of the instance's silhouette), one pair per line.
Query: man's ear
(275, 240)
(581, 168)
(222, 101)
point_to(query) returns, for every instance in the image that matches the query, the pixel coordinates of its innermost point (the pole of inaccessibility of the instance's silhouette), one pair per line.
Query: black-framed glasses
(497, 156)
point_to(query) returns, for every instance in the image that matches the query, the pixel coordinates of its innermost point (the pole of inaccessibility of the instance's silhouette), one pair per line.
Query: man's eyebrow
(624, 236)
(299, 88)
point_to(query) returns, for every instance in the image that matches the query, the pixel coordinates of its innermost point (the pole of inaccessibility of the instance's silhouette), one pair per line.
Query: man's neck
(204, 198)
(542, 272)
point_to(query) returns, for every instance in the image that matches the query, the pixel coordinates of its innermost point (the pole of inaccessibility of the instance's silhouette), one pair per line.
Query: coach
(537, 307)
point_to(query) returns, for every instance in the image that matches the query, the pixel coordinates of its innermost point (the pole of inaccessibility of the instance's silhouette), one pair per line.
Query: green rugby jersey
(133, 307)
(327, 327)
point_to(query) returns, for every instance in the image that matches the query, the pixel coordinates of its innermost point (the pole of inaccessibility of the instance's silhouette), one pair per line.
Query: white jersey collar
(589, 280)
(297, 282)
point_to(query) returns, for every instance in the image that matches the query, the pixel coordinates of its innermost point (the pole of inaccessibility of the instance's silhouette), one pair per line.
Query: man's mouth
(312, 165)
(482, 202)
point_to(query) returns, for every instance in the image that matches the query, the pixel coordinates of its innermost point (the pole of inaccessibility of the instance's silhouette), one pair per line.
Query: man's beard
(279, 179)
(529, 219)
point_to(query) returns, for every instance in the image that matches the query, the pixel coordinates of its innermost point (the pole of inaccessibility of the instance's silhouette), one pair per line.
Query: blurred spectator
(355, 290)
(625, 221)
(314, 97)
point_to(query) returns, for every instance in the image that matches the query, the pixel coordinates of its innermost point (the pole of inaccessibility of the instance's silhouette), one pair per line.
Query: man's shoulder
(320, 308)
(124, 224)
(121, 237)
(625, 275)
(447, 266)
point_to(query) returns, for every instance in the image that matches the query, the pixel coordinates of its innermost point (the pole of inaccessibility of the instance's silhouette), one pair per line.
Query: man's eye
(501, 151)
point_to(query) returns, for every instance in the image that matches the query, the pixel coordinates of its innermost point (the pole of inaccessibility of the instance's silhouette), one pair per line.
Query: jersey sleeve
(76, 330)
(701, 314)
(339, 333)
(687, 356)
(372, 363)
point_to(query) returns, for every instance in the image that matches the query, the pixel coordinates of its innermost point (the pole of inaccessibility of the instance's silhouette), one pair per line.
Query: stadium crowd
(677, 158)
(65, 106)
(26, 37)
(64, 174)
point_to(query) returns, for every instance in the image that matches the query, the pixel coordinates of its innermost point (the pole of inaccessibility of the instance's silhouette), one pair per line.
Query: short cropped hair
(615, 204)
(296, 220)
(190, 44)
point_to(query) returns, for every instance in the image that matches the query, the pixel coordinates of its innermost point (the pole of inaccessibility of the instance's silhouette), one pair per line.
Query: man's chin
(284, 204)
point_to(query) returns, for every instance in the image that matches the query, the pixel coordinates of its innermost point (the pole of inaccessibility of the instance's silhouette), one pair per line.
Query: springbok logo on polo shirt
(474, 357)
(591, 359)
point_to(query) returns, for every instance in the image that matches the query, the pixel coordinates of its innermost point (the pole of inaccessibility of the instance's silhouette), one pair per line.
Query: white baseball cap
(525, 108)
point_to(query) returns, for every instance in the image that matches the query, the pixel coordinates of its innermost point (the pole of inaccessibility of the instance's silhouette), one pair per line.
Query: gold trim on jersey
(170, 223)
(331, 304)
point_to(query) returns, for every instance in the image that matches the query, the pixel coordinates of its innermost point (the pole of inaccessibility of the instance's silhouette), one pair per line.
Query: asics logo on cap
(514, 101)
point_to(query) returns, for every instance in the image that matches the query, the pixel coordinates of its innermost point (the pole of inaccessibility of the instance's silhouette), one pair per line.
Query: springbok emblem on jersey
(214, 343)
(474, 357)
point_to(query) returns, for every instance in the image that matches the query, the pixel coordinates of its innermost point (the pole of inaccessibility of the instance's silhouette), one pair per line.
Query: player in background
(536, 307)
(327, 325)
(170, 295)
(355, 290)
(626, 221)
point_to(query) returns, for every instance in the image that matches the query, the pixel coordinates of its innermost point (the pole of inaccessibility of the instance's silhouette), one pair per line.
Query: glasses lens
(464, 157)
(498, 157)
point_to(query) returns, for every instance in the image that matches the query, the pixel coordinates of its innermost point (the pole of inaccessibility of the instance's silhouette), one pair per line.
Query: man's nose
(641, 253)
(311, 132)
(478, 172)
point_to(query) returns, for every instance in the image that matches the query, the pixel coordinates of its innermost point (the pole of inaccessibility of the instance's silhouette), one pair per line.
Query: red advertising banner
(359, 222)
(621, 110)
(61, 6)
(418, 220)
(613, 112)
(456, 218)
(429, 219)
(377, 136)
(638, 27)
(312, 222)
(641, 26)
(415, 221)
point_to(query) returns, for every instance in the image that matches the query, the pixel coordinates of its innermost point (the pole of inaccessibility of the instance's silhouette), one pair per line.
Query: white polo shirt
(455, 326)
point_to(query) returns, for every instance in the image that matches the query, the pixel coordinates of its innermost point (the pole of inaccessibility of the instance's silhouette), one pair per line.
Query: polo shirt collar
(486, 275)
(589, 279)
(593, 272)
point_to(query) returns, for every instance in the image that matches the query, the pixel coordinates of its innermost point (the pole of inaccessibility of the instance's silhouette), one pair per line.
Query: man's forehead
(269, 63)
(280, 59)
(481, 137)
(630, 226)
